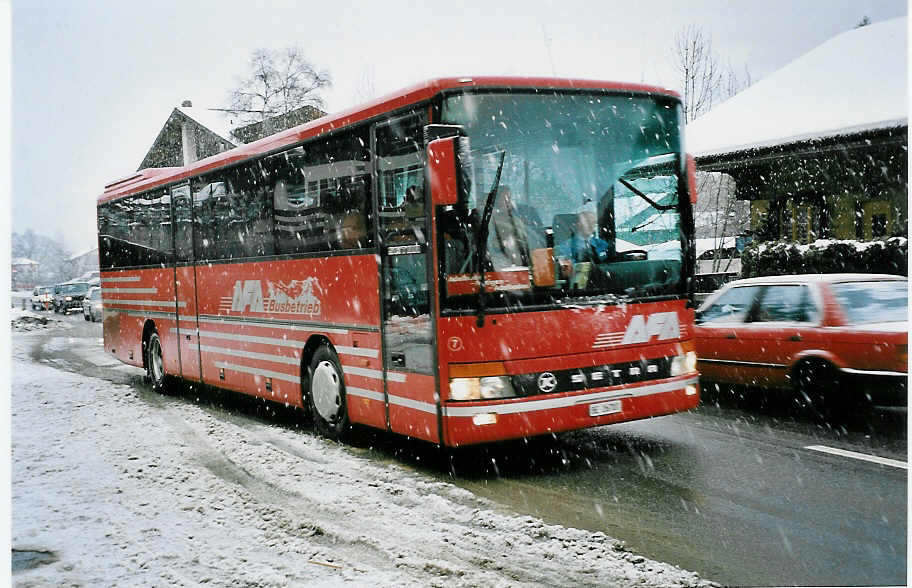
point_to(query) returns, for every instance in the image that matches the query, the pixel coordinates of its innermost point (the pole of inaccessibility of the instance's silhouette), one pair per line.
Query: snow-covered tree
(51, 253)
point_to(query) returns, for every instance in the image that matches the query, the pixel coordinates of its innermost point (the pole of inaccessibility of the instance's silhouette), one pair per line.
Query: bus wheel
(154, 369)
(326, 396)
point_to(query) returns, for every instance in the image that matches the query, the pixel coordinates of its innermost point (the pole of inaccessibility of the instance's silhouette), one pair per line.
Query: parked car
(42, 297)
(69, 296)
(834, 338)
(91, 306)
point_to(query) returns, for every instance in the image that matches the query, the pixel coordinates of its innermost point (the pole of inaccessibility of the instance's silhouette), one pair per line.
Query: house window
(801, 224)
(878, 226)
(859, 220)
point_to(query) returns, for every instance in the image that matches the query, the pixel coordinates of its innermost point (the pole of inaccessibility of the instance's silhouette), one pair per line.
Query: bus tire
(155, 371)
(326, 394)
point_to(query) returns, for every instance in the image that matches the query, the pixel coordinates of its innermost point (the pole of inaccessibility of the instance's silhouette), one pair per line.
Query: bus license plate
(603, 408)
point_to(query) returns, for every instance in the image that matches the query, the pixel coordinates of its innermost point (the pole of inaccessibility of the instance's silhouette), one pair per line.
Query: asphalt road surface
(750, 489)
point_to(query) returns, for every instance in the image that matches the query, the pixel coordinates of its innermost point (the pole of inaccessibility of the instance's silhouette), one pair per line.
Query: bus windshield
(583, 193)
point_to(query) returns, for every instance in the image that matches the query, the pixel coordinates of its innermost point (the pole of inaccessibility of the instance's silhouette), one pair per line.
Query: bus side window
(203, 223)
(316, 187)
(401, 180)
(249, 228)
(183, 219)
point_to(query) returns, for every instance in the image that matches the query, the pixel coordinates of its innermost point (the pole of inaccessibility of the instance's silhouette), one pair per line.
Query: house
(818, 148)
(192, 133)
(84, 264)
(254, 131)
(24, 273)
(189, 134)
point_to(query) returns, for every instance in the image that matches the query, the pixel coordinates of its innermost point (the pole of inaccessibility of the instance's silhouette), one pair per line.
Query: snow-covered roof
(216, 121)
(854, 82)
(704, 245)
(83, 254)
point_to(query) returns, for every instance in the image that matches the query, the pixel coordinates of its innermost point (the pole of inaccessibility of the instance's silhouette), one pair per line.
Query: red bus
(464, 261)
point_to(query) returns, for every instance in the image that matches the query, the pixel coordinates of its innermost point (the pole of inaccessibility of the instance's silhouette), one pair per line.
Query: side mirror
(442, 167)
(692, 178)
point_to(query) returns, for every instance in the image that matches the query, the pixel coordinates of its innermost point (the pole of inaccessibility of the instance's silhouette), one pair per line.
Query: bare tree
(702, 78)
(279, 81)
(52, 255)
(704, 81)
(719, 215)
(698, 71)
(732, 83)
(366, 89)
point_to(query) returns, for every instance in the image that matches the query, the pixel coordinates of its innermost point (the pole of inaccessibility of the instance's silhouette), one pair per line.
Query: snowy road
(739, 492)
(112, 485)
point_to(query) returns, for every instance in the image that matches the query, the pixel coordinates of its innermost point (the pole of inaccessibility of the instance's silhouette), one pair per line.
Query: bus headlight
(496, 387)
(485, 388)
(465, 389)
(684, 363)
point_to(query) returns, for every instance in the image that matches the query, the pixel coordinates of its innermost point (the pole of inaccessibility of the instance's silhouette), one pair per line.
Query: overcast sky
(94, 81)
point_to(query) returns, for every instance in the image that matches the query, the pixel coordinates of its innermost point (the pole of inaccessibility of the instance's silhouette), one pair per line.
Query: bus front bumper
(467, 423)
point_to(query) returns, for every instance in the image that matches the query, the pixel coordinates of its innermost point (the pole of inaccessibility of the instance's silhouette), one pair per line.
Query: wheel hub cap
(326, 390)
(157, 371)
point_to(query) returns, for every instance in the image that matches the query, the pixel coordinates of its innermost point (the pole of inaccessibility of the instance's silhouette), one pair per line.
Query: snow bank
(29, 320)
(124, 487)
(858, 246)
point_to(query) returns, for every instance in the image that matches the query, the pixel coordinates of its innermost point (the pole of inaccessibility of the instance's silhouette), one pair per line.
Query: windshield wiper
(481, 239)
(651, 202)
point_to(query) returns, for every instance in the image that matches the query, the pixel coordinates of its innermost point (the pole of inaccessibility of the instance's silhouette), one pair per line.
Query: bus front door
(408, 350)
(185, 284)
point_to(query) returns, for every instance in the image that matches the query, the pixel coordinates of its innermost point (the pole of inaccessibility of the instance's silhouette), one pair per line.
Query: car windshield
(74, 288)
(873, 302)
(582, 193)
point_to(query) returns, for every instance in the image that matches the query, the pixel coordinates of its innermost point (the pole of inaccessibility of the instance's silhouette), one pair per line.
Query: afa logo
(662, 325)
(294, 297)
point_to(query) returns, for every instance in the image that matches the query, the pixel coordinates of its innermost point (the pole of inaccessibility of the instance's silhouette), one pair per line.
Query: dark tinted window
(400, 163)
(311, 198)
(77, 288)
(321, 195)
(182, 211)
(136, 231)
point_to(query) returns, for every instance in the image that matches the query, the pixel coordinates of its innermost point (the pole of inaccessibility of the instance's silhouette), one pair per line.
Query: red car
(836, 338)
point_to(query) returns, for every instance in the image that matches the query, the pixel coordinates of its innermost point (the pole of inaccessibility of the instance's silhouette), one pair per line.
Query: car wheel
(154, 364)
(85, 315)
(816, 382)
(326, 394)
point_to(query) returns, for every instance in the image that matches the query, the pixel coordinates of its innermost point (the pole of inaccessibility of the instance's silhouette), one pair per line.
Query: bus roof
(151, 177)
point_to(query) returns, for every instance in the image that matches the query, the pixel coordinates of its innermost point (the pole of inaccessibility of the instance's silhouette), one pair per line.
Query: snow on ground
(127, 488)
(29, 320)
